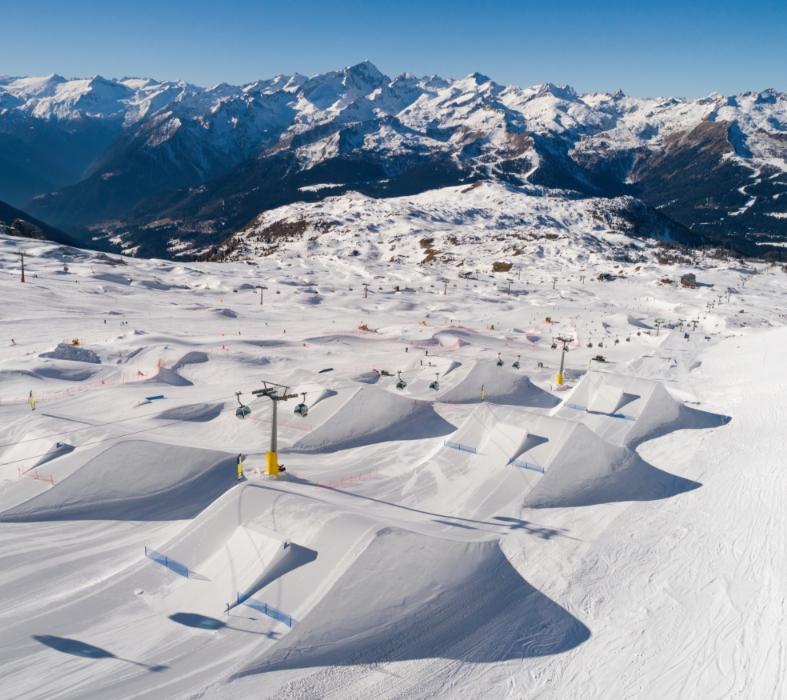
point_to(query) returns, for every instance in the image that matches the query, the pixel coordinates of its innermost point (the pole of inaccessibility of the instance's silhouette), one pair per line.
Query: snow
(618, 536)
(248, 119)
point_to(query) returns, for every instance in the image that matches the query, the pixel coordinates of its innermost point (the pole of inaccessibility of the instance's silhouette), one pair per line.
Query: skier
(32, 401)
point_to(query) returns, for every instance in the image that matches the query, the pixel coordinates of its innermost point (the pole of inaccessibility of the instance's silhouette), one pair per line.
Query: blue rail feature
(265, 609)
(164, 560)
(462, 448)
(527, 465)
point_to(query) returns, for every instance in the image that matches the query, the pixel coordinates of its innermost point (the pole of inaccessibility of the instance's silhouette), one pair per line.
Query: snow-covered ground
(497, 535)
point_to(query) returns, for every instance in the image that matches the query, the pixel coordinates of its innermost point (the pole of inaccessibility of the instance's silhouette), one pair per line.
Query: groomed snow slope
(367, 415)
(133, 480)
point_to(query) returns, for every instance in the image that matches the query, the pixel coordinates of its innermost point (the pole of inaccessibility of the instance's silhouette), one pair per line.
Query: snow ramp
(504, 457)
(628, 410)
(263, 543)
(485, 381)
(367, 415)
(134, 480)
(450, 599)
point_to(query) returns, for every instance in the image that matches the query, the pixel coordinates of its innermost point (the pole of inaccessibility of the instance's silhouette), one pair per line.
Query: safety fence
(264, 608)
(164, 560)
(462, 448)
(527, 465)
(33, 474)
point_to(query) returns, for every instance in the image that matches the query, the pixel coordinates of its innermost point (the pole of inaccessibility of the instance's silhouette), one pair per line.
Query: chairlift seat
(242, 411)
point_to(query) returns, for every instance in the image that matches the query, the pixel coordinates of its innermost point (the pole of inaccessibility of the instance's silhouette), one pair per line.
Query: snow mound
(167, 375)
(191, 358)
(227, 313)
(463, 600)
(500, 385)
(67, 374)
(134, 480)
(75, 353)
(502, 457)
(57, 450)
(367, 377)
(196, 413)
(370, 415)
(629, 410)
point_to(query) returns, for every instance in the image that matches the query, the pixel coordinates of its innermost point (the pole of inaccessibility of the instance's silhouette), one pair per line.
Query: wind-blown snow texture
(171, 169)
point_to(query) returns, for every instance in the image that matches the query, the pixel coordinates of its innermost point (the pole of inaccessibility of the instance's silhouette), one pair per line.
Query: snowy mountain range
(172, 169)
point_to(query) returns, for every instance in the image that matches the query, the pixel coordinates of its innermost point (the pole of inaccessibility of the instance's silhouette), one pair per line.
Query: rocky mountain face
(171, 169)
(14, 222)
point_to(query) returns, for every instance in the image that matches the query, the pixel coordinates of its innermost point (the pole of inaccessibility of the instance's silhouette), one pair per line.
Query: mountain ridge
(138, 161)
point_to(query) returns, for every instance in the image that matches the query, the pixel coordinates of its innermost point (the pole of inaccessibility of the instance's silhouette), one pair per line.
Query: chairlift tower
(22, 258)
(261, 288)
(560, 378)
(275, 392)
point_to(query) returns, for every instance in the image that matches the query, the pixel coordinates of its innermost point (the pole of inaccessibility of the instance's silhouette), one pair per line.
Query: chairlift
(242, 410)
(400, 383)
(302, 409)
(435, 384)
(554, 345)
(590, 344)
(499, 360)
(515, 363)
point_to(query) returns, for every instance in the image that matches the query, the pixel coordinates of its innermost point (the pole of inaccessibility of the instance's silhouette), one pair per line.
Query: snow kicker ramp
(496, 385)
(450, 599)
(628, 410)
(503, 456)
(368, 415)
(134, 480)
(260, 540)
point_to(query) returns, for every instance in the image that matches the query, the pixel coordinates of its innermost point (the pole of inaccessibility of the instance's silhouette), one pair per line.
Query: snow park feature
(436, 525)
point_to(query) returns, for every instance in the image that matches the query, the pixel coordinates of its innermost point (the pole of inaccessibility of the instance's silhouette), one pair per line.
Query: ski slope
(617, 536)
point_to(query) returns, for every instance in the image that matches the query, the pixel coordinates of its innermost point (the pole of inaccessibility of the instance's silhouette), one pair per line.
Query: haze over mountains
(171, 169)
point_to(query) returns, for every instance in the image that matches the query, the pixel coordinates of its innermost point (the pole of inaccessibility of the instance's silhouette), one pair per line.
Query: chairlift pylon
(242, 410)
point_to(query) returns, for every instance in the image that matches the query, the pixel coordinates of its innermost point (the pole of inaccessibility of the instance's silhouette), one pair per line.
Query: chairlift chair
(400, 383)
(515, 363)
(302, 409)
(242, 410)
(499, 360)
(435, 384)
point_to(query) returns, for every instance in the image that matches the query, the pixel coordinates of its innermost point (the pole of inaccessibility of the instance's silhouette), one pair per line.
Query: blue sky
(644, 48)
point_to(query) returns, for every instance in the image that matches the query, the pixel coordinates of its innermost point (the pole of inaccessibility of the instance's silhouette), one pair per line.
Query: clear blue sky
(684, 48)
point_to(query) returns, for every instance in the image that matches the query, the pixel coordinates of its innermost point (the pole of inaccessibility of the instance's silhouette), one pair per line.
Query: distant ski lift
(499, 360)
(302, 409)
(515, 363)
(554, 345)
(400, 383)
(435, 384)
(242, 410)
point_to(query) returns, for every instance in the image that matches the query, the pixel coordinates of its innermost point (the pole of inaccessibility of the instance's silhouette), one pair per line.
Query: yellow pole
(271, 464)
